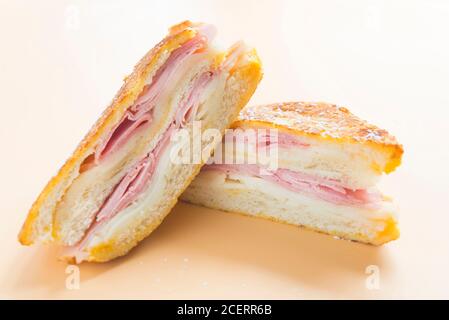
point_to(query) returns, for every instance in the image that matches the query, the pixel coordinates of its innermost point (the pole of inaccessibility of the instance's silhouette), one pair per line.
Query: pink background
(61, 62)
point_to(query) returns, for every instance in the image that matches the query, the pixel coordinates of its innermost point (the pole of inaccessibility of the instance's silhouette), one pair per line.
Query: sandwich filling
(353, 165)
(140, 113)
(328, 190)
(139, 116)
(281, 144)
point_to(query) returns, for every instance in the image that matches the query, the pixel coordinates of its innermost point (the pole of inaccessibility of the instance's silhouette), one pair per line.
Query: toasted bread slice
(328, 164)
(119, 184)
(352, 150)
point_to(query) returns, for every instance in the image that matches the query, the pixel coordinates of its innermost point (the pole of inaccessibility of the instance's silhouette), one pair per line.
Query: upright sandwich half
(121, 182)
(328, 164)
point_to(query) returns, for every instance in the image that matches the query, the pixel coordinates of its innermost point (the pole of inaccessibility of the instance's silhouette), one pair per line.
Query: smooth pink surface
(63, 61)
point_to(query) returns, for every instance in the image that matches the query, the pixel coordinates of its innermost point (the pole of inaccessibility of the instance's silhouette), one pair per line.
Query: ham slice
(130, 186)
(286, 140)
(190, 102)
(265, 138)
(133, 182)
(138, 177)
(139, 114)
(325, 189)
(279, 139)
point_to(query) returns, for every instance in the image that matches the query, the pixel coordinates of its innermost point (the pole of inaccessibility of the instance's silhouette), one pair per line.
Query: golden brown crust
(132, 86)
(322, 120)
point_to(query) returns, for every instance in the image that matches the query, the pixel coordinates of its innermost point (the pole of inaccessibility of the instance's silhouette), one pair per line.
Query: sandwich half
(121, 182)
(328, 163)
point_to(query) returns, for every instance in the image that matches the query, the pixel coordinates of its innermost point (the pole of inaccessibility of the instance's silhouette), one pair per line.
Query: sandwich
(324, 178)
(121, 182)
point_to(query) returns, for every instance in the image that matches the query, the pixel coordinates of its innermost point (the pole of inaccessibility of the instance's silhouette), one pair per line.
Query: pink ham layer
(133, 183)
(325, 189)
(139, 115)
(265, 138)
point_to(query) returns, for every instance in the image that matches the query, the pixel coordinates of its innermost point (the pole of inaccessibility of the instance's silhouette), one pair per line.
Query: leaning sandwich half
(120, 182)
(328, 163)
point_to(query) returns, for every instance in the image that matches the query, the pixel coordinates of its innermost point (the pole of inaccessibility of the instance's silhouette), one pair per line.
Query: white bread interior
(258, 197)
